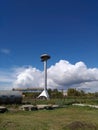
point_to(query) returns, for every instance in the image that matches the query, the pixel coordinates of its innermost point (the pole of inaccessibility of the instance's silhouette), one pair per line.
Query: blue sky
(65, 29)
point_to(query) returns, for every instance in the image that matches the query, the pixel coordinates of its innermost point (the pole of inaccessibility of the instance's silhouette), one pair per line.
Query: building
(10, 97)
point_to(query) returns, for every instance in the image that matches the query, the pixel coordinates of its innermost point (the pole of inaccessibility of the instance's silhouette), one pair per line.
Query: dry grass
(57, 119)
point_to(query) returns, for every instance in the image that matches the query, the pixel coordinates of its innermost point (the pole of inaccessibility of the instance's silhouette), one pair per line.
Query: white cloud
(5, 51)
(28, 77)
(62, 75)
(67, 75)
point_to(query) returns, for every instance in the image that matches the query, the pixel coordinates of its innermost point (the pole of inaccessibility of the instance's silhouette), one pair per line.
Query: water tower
(44, 59)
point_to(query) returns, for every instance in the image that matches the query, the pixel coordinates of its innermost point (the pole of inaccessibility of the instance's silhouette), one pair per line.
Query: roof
(9, 93)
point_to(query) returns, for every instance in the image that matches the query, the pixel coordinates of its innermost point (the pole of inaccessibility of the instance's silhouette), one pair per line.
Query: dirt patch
(78, 125)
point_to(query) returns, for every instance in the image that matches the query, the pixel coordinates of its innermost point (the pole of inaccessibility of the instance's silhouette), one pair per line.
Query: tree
(74, 92)
(55, 93)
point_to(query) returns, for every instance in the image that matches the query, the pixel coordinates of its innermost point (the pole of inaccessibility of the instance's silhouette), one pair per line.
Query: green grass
(57, 119)
(64, 101)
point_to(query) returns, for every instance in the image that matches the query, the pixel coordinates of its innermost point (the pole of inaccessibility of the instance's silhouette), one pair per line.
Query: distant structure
(44, 59)
(10, 97)
(25, 90)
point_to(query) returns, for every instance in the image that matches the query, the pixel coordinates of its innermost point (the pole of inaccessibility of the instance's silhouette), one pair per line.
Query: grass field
(68, 118)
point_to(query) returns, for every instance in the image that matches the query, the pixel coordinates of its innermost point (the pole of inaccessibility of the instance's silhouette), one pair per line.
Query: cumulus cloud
(5, 51)
(65, 74)
(62, 75)
(28, 78)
